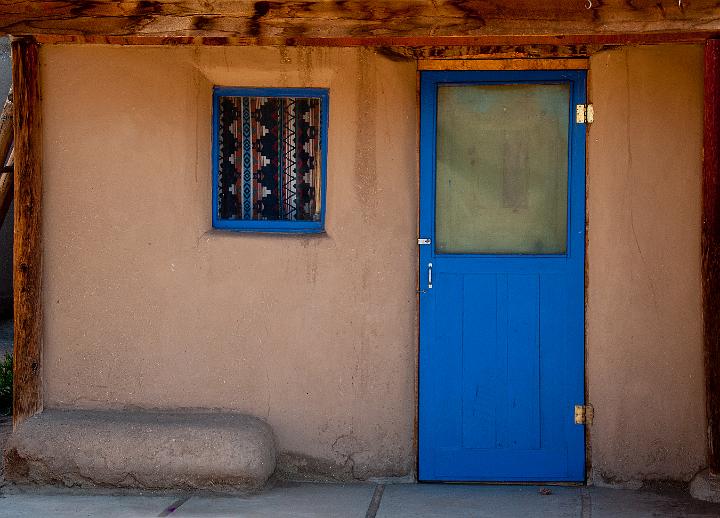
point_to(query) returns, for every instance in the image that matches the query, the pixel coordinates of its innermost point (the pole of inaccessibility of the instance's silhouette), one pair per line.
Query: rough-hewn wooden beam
(6, 129)
(6, 193)
(27, 251)
(504, 64)
(490, 51)
(419, 42)
(711, 249)
(361, 22)
(6, 177)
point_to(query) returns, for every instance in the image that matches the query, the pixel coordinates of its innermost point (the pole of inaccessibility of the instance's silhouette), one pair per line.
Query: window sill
(269, 227)
(218, 233)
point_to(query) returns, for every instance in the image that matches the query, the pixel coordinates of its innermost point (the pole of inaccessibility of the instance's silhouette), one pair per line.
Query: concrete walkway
(362, 501)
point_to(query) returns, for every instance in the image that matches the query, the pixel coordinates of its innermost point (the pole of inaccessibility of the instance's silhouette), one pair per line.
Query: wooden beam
(361, 22)
(490, 51)
(710, 245)
(503, 64)
(558, 40)
(6, 138)
(6, 193)
(6, 129)
(27, 252)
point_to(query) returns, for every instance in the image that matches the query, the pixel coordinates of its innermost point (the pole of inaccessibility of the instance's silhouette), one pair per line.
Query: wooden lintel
(27, 251)
(6, 173)
(419, 42)
(503, 64)
(361, 22)
(491, 52)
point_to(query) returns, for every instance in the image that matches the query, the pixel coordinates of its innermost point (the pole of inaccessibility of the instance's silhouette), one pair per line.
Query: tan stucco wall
(644, 336)
(146, 306)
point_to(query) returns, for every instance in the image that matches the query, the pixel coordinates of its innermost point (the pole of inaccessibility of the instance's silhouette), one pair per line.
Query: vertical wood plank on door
(523, 356)
(554, 362)
(27, 250)
(480, 362)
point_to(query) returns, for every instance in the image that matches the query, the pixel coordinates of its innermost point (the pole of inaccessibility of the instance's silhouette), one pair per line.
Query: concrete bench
(142, 449)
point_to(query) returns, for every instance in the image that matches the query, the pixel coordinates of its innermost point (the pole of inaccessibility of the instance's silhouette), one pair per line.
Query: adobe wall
(643, 321)
(146, 306)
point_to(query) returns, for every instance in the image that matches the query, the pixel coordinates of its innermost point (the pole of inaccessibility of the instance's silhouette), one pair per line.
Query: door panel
(502, 282)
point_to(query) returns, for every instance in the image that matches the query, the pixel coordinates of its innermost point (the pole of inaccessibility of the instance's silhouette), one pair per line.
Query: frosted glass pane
(502, 170)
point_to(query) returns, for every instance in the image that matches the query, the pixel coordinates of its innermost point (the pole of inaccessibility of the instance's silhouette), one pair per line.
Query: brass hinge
(584, 113)
(584, 414)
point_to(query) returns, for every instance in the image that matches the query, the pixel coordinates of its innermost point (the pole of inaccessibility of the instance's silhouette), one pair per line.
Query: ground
(5, 429)
(362, 500)
(6, 341)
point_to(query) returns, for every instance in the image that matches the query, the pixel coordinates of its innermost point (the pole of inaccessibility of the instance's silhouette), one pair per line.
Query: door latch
(424, 241)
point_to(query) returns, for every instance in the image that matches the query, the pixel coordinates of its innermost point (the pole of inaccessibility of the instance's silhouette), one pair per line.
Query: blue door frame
(537, 440)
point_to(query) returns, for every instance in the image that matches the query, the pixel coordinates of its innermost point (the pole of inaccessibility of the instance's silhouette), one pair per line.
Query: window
(269, 148)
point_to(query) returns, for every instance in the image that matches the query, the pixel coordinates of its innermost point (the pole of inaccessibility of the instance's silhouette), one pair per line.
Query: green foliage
(6, 381)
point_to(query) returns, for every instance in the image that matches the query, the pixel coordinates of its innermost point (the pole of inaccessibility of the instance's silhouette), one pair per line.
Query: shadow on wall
(6, 228)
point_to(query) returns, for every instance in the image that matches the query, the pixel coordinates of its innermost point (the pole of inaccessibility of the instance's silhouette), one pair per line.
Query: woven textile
(269, 158)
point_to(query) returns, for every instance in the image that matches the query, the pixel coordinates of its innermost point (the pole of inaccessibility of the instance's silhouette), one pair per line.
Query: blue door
(502, 228)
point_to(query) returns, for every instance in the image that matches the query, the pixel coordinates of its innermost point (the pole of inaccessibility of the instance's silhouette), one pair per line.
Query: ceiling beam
(362, 22)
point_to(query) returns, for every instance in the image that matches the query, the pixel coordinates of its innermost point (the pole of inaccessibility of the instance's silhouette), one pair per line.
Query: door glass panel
(502, 169)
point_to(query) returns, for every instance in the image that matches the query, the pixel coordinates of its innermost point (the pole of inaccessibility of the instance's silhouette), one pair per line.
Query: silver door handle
(429, 276)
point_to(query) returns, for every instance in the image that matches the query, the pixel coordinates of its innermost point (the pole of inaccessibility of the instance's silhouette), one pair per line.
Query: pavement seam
(375, 501)
(174, 506)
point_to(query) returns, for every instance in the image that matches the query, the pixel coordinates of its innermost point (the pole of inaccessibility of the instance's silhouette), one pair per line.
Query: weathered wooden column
(7, 130)
(27, 251)
(711, 249)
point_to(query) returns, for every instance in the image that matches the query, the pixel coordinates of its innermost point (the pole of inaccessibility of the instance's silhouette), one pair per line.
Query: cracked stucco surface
(146, 306)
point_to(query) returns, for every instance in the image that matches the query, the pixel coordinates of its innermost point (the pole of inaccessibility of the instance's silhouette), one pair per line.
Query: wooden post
(6, 192)
(27, 251)
(6, 174)
(710, 244)
(6, 128)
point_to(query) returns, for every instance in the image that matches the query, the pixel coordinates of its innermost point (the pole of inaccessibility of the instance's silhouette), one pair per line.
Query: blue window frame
(269, 159)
